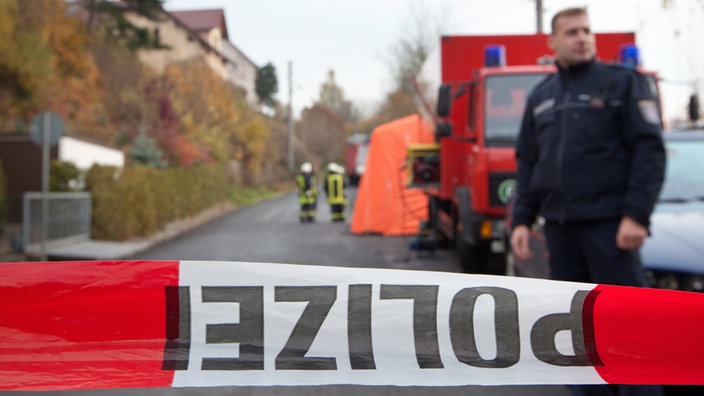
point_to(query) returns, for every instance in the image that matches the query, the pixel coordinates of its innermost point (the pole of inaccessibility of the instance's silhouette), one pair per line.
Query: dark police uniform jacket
(590, 147)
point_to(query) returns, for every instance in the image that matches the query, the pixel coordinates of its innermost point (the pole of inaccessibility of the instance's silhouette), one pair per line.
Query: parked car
(672, 255)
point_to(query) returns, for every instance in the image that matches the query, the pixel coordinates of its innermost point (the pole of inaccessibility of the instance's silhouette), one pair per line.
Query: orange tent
(384, 204)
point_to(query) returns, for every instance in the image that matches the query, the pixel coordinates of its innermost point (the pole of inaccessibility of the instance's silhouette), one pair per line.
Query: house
(210, 24)
(198, 34)
(241, 71)
(179, 43)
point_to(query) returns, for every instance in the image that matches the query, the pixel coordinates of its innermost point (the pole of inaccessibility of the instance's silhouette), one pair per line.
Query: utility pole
(291, 163)
(539, 15)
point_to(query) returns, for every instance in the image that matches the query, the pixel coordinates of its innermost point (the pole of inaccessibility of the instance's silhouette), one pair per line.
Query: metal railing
(68, 217)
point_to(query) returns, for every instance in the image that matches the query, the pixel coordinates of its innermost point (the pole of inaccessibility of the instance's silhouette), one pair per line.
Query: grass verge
(243, 196)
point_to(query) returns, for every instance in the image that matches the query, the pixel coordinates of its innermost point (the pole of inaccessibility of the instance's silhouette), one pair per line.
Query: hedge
(138, 202)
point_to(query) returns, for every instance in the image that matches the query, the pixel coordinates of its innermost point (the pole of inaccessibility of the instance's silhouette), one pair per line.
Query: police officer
(307, 193)
(591, 161)
(335, 191)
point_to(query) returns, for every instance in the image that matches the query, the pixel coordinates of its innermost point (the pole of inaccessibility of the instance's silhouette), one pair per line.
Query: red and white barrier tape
(139, 324)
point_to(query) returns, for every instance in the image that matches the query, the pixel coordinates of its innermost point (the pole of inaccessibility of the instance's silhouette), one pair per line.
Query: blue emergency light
(630, 56)
(495, 56)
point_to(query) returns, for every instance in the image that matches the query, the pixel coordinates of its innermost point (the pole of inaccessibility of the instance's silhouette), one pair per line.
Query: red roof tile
(202, 20)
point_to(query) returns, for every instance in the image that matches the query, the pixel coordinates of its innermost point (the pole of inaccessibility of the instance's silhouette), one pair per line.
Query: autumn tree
(320, 135)
(212, 123)
(45, 64)
(26, 64)
(202, 107)
(396, 105)
(133, 105)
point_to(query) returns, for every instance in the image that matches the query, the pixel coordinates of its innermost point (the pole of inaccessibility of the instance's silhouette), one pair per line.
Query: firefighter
(335, 191)
(307, 193)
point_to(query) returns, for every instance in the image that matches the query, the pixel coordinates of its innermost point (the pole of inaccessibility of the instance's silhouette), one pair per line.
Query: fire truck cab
(485, 84)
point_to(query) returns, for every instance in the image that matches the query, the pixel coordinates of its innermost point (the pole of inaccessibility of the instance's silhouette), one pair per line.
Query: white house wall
(84, 154)
(242, 71)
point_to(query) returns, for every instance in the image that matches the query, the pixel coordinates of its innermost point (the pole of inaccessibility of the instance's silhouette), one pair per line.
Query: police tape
(141, 324)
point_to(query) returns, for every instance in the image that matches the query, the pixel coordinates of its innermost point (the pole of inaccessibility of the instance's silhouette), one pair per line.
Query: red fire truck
(470, 172)
(356, 156)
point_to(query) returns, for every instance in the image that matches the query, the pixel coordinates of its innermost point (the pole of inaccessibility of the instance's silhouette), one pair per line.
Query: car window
(684, 179)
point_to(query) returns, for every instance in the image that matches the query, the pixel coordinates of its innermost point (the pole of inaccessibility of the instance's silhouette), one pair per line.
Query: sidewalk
(98, 250)
(111, 250)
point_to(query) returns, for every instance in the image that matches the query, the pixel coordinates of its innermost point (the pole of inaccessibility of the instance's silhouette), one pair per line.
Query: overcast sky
(353, 37)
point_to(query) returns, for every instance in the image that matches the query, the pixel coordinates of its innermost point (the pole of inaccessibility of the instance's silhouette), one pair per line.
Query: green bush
(137, 202)
(62, 174)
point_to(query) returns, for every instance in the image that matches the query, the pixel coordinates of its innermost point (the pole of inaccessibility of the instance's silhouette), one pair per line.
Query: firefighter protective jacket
(590, 147)
(335, 188)
(307, 192)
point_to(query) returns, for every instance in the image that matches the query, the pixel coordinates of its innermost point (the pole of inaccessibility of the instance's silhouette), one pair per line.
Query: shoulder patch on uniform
(649, 111)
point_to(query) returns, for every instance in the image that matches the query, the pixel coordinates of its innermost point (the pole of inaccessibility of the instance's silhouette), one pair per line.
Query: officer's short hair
(572, 11)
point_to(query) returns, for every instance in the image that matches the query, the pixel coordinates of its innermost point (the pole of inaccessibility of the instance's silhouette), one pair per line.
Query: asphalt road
(270, 232)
